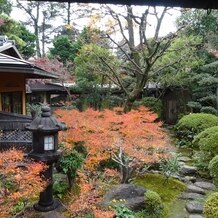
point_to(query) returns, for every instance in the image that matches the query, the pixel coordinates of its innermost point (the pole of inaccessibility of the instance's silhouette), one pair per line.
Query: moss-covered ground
(168, 191)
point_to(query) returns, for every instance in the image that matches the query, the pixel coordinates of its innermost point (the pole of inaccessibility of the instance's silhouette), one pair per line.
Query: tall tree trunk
(43, 36)
(68, 13)
(36, 21)
(126, 173)
(135, 94)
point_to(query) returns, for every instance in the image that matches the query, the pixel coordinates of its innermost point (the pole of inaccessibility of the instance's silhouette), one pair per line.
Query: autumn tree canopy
(132, 139)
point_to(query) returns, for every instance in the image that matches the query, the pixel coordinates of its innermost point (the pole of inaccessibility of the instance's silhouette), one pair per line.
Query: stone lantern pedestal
(45, 149)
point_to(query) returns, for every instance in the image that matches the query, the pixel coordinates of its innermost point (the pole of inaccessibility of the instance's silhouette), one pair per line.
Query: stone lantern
(45, 149)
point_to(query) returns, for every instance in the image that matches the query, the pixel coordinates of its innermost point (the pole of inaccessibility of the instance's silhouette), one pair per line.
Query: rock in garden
(184, 159)
(51, 214)
(190, 196)
(190, 179)
(195, 216)
(133, 195)
(194, 207)
(195, 189)
(205, 185)
(188, 170)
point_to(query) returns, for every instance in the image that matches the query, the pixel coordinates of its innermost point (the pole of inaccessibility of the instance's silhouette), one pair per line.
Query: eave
(209, 4)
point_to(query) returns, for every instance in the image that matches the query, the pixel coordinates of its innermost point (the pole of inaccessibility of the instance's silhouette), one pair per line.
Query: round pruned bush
(190, 125)
(211, 206)
(153, 204)
(213, 168)
(207, 142)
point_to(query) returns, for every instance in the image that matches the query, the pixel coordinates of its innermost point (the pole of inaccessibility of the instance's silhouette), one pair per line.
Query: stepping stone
(195, 216)
(205, 185)
(195, 189)
(190, 196)
(188, 170)
(194, 207)
(51, 214)
(190, 179)
(184, 159)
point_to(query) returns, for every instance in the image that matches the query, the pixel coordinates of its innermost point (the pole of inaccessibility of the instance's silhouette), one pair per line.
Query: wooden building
(14, 71)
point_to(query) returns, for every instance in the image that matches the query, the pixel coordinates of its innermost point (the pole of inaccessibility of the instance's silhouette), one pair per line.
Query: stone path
(196, 189)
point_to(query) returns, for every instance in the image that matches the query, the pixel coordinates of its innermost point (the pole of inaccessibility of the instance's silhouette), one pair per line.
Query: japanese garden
(108, 111)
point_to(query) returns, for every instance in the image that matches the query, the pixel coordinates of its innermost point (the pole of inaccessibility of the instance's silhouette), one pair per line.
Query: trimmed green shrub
(207, 142)
(213, 168)
(211, 206)
(153, 204)
(190, 125)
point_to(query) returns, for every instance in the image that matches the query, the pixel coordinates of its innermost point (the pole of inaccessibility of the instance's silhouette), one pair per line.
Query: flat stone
(184, 159)
(195, 189)
(133, 195)
(195, 216)
(194, 207)
(190, 196)
(181, 163)
(205, 185)
(190, 179)
(188, 170)
(51, 214)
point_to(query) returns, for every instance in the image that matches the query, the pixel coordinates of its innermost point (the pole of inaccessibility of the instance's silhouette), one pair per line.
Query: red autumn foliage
(114, 134)
(20, 180)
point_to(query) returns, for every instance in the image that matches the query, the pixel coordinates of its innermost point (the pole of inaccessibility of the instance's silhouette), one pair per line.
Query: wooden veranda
(13, 132)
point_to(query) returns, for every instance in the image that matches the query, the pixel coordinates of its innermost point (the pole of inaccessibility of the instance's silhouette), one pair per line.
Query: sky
(167, 26)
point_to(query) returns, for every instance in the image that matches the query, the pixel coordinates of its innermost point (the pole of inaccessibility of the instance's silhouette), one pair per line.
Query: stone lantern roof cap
(46, 122)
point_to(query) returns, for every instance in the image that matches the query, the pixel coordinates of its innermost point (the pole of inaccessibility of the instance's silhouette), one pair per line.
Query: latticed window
(12, 102)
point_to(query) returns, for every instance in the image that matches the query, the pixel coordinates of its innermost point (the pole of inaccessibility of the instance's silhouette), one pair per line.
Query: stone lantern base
(46, 208)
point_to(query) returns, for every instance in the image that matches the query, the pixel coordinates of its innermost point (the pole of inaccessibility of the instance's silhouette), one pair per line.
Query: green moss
(211, 206)
(168, 192)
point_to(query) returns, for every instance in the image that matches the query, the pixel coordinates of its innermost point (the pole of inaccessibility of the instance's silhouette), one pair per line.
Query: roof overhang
(10, 64)
(11, 50)
(203, 4)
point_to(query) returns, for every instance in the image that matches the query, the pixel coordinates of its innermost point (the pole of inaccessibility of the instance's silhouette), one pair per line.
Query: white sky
(168, 24)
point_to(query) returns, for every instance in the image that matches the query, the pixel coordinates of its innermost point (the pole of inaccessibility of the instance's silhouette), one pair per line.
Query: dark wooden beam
(203, 4)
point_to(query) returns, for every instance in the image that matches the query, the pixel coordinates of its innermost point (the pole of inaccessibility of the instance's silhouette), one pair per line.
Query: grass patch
(168, 192)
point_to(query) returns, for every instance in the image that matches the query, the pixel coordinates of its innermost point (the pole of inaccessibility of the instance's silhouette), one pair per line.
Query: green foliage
(151, 102)
(211, 206)
(5, 7)
(204, 89)
(167, 192)
(60, 188)
(121, 210)
(70, 163)
(153, 204)
(170, 166)
(207, 142)
(178, 73)
(190, 125)
(201, 160)
(213, 168)
(18, 207)
(64, 49)
(200, 23)
(92, 75)
(25, 40)
(208, 110)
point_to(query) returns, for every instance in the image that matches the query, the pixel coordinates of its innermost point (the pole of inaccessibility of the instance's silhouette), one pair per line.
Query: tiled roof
(39, 87)
(9, 64)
